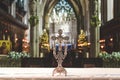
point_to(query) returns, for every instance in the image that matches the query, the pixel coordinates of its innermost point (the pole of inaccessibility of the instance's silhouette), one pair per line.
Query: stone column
(94, 29)
(87, 21)
(36, 25)
(40, 11)
(33, 28)
(37, 30)
(87, 28)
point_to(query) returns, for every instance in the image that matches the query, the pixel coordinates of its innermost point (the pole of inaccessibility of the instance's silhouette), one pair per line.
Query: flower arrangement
(17, 55)
(110, 60)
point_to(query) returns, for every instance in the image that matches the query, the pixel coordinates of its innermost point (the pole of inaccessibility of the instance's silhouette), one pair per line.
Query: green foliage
(95, 21)
(17, 55)
(13, 59)
(33, 20)
(110, 60)
(115, 56)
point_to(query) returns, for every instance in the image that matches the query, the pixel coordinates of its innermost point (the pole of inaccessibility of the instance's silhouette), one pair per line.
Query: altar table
(72, 74)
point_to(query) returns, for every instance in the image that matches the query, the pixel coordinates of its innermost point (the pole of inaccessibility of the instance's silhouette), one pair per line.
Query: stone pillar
(33, 28)
(32, 41)
(36, 25)
(87, 21)
(40, 33)
(37, 54)
(40, 10)
(95, 45)
(94, 29)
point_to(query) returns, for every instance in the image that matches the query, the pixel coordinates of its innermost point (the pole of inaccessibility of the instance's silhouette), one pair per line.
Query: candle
(3, 37)
(8, 37)
(41, 55)
(87, 55)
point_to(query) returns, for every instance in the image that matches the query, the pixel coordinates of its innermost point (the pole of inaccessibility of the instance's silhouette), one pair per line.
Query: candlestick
(59, 56)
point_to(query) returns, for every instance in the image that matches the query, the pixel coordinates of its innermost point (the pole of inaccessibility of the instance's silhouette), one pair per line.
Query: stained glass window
(63, 9)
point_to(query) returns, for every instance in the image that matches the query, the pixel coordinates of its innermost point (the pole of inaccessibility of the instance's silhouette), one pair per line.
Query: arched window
(110, 11)
(62, 11)
(63, 17)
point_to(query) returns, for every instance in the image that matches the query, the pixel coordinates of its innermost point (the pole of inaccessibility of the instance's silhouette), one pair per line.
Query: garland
(33, 20)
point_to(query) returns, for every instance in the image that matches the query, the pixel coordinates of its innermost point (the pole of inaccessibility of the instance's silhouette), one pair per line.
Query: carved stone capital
(32, 7)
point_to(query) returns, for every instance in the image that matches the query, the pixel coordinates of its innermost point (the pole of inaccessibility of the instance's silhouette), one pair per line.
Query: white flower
(17, 55)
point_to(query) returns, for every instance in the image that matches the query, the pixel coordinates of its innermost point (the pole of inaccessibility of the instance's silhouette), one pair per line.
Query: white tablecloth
(72, 74)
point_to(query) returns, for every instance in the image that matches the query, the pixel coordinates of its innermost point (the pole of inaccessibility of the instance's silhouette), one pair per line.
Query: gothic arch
(75, 4)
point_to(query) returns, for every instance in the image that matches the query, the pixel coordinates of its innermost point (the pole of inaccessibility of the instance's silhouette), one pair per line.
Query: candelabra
(60, 54)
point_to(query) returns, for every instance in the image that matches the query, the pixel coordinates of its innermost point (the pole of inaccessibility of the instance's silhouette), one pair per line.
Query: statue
(44, 40)
(44, 37)
(3, 49)
(82, 38)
